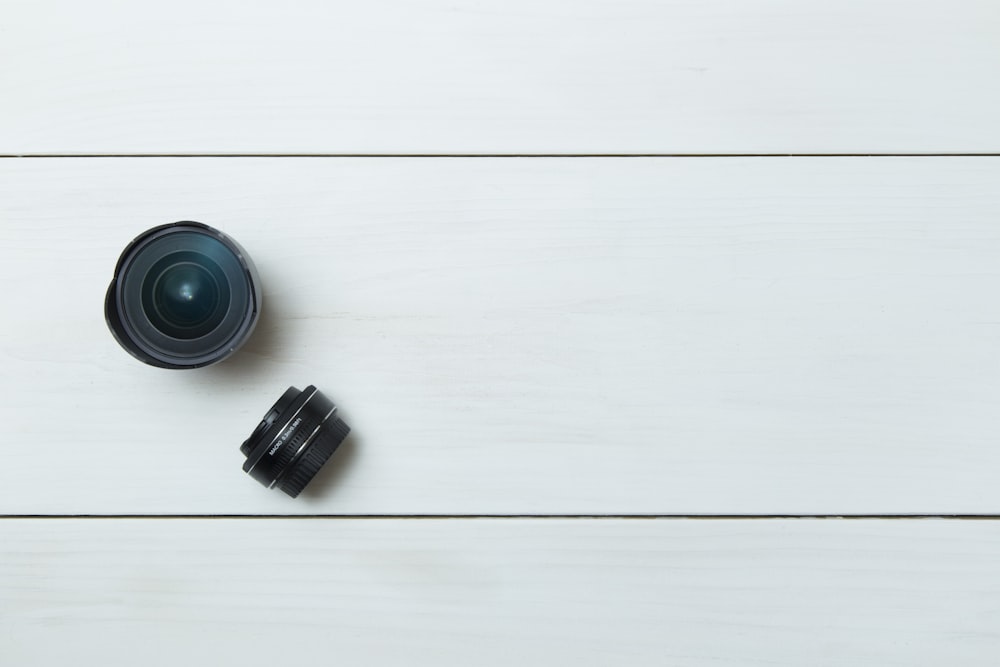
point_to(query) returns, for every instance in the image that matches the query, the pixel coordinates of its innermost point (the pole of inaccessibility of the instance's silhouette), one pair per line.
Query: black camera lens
(184, 295)
(296, 437)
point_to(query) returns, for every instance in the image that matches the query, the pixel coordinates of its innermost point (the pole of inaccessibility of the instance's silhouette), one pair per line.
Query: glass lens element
(185, 295)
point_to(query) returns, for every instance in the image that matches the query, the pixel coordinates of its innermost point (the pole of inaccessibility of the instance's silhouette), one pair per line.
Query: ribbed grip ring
(301, 428)
(327, 441)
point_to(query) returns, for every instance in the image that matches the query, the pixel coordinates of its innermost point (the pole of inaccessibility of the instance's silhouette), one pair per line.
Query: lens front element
(185, 295)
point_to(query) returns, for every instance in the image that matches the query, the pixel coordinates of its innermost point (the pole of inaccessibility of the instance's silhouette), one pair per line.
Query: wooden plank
(495, 76)
(452, 592)
(525, 336)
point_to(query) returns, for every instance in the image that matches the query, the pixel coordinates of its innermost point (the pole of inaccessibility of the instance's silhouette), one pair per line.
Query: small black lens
(296, 437)
(184, 295)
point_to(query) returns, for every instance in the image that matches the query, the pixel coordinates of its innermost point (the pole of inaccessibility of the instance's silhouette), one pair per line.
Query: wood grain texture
(453, 592)
(525, 336)
(495, 76)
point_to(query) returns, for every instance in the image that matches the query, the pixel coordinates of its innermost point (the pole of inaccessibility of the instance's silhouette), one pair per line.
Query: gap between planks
(484, 155)
(599, 517)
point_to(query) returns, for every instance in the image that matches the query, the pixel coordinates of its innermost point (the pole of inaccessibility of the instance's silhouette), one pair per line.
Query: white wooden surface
(497, 592)
(593, 337)
(754, 335)
(499, 76)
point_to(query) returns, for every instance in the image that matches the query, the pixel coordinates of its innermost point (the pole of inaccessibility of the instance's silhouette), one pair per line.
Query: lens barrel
(296, 437)
(184, 295)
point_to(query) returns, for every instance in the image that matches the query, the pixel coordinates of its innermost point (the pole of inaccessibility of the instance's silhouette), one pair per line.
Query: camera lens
(184, 295)
(296, 437)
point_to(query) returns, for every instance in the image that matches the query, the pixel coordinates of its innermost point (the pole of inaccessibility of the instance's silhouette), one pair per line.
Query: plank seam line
(437, 517)
(480, 155)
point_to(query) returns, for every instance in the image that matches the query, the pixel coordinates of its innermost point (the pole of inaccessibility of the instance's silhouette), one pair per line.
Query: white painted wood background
(514, 336)
(497, 592)
(570, 342)
(488, 76)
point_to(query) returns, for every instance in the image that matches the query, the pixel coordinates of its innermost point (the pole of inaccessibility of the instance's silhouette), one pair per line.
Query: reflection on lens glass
(185, 295)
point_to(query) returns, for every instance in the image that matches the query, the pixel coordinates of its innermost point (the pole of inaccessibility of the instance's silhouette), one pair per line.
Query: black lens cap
(295, 438)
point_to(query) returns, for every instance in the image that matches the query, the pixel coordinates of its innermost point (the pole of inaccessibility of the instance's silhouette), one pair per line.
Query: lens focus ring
(313, 458)
(298, 435)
